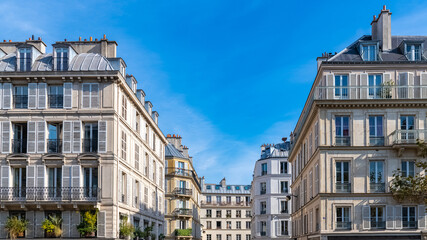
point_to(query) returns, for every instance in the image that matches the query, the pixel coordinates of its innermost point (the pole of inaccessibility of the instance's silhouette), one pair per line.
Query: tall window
(341, 86)
(409, 217)
(209, 236)
(248, 224)
(375, 88)
(90, 141)
(61, 59)
(209, 213)
(208, 199)
(343, 218)
(154, 142)
(238, 199)
(124, 107)
(154, 170)
(228, 199)
(19, 142)
(137, 122)
(263, 169)
(147, 129)
(413, 52)
(408, 168)
(218, 199)
(238, 236)
(218, 213)
(136, 156)
(90, 182)
(263, 228)
(54, 182)
(20, 97)
(283, 167)
(25, 59)
(377, 218)
(90, 95)
(342, 176)
(123, 187)
(283, 187)
(342, 130)
(124, 146)
(208, 224)
(228, 223)
(376, 134)
(407, 126)
(376, 176)
(263, 207)
(369, 52)
(284, 206)
(284, 228)
(56, 96)
(263, 188)
(238, 225)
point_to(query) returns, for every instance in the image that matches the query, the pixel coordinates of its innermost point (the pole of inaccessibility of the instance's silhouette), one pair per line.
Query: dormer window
(413, 52)
(25, 59)
(62, 59)
(368, 52)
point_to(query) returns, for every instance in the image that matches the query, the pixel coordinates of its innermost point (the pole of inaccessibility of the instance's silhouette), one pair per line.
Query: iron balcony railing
(409, 224)
(344, 187)
(19, 145)
(343, 225)
(408, 136)
(375, 224)
(183, 211)
(183, 191)
(376, 141)
(342, 140)
(263, 233)
(49, 194)
(377, 187)
(20, 101)
(56, 100)
(54, 145)
(369, 92)
(184, 173)
(90, 145)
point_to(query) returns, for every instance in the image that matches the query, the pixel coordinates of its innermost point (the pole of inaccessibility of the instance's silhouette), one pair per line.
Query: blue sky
(226, 75)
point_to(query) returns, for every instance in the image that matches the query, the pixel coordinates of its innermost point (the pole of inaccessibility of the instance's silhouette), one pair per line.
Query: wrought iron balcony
(343, 225)
(90, 145)
(183, 191)
(183, 212)
(343, 187)
(54, 145)
(377, 187)
(342, 140)
(183, 173)
(49, 194)
(408, 136)
(56, 100)
(377, 224)
(410, 224)
(19, 145)
(263, 233)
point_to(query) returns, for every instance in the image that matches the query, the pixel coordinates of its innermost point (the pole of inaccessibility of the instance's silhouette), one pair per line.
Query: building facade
(226, 211)
(77, 135)
(359, 125)
(271, 192)
(183, 192)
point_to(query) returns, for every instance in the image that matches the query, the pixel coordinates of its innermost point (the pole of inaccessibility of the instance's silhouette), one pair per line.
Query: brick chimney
(381, 29)
(223, 183)
(175, 140)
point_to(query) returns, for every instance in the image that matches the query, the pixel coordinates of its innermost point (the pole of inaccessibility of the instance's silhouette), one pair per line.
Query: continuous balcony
(182, 212)
(46, 194)
(182, 192)
(375, 224)
(180, 172)
(225, 204)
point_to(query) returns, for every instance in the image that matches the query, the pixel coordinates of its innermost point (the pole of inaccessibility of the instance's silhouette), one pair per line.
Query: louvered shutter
(39, 221)
(120, 185)
(40, 176)
(32, 95)
(5, 173)
(67, 136)
(398, 217)
(277, 223)
(421, 217)
(68, 95)
(1, 95)
(31, 137)
(330, 84)
(75, 176)
(403, 83)
(66, 182)
(41, 137)
(86, 95)
(31, 182)
(128, 190)
(75, 220)
(42, 95)
(3, 220)
(390, 217)
(140, 195)
(410, 85)
(353, 86)
(94, 96)
(29, 216)
(366, 211)
(77, 137)
(364, 85)
(7, 95)
(5, 133)
(66, 223)
(423, 84)
(101, 224)
(102, 136)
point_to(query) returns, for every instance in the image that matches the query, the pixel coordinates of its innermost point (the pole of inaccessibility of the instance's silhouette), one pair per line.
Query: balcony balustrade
(54, 145)
(342, 140)
(375, 224)
(183, 212)
(49, 194)
(183, 173)
(19, 145)
(408, 136)
(410, 224)
(183, 191)
(90, 145)
(343, 225)
(376, 141)
(377, 187)
(343, 187)
(56, 100)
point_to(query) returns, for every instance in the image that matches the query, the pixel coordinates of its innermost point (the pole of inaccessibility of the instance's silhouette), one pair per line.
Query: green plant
(126, 228)
(183, 232)
(138, 233)
(53, 225)
(146, 234)
(386, 89)
(15, 226)
(161, 236)
(87, 226)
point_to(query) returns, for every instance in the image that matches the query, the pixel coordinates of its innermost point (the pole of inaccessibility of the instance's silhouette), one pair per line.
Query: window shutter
(77, 137)
(41, 137)
(411, 84)
(398, 217)
(66, 223)
(364, 85)
(66, 138)
(75, 219)
(353, 84)
(32, 95)
(31, 176)
(330, 84)
(390, 217)
(277, 223)
(66, 176)
(403, 81)
(5, 173)
(42, 95)
(101, 224)
(31, 137)
(120, 185)
(7, 95)
(40, 175)
(423, 83)
(5, 137)
(68, 95)
(102, 136)
(29, 216)
(94, 101)
(3, 219)
(1, 95)
(128, 190)
(366, 213)
(140, 195)
(421, 217)
(86, 95)
(39, 221)
(75, 176)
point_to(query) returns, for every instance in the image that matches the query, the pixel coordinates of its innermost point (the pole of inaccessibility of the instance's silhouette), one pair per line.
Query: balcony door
(375, 87)
(19, 182)
(90, 181)
(90, 137)
(19, 138)
(342, 176)
(376, 176)
(20, 97)
(54, 142)
(407, 126)
(54, 176)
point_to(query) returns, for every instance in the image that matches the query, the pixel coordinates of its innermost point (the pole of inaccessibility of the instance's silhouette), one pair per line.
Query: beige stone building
(360, 123)
(226, 211)
(77, 134)
(183, 192)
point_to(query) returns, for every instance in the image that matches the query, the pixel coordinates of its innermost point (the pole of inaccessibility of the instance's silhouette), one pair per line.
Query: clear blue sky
(226, 75)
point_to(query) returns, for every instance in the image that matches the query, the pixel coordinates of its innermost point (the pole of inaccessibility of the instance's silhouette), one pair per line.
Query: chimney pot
(39, 38)
(384, 8)
(96, 39)
(85, 40)
(90, 39)
(105, 37)
(80, 38)
(10, 40)
(29, 39)
(375, 17)
(4, 40)
(65, 40)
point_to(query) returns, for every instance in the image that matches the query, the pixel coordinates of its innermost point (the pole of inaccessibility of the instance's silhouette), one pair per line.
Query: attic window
(228, 187)
(413, 52)
(237, 187)
(62, 59)
(208, 187)
(25, 59)
(368, 52)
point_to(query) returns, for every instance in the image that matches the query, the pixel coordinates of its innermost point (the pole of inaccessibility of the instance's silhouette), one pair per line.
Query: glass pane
(346, 171)
(379, 126)
(338, 169)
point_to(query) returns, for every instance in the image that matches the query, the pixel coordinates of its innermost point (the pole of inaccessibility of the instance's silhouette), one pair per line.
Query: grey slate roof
(8, 63)
(43, 63)
(351, 53)
(171, 151)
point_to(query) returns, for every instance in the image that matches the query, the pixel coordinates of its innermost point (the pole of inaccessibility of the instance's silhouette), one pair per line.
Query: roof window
(413, 52)
(369, 51)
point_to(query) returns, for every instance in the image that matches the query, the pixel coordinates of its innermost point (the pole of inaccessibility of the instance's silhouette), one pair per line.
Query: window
(284, 228)
(284, 206)
(209, 213)
(61, 59)
(90, 182)
(228, 214)
(238, 236)
(263, 207)
(135, 193)
(20, 97)
(208, 199)
(136, 156)
(263, 228)
(124, 146)
(56, 96)
(154, 142)
(209, 224)
(218, 213)
(154, 171)
(408, 168)
(218, 199)
(342, 177)
(208, 187)
(90, 95)
(413, 52)
(137, 122)
(208, 237)
(377, 218)
(283, 167)
(263, 188)
(376, 135)
(341, 86)
(54, 182)
(228, 225)
(237, 188)
(238, 199)
(123, 188)
(375, 88)
(217, 187)
(263, 169)
(248, 213)
(228, 199)
(218, 236)
(407, 126)
(238, 213)
(246, 188)
(124, 107)
(25, 59)
(238, 225)
(409, 217)
(248, 224)
(228, 187)
(218, 225)
(343, 218)
(376, 176)
(283, 187)
(342, 131)
(147, 163)
(19, 182)
(90, 137)
(369, 52)
(147, 129)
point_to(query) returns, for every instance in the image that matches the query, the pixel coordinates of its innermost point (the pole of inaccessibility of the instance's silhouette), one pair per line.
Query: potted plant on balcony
(138, 234)
(87, 226)
(183, 232)
(126, 229)
(146, 234)
(52, 226)
(15, 227)
(386, 89)
(161, 236)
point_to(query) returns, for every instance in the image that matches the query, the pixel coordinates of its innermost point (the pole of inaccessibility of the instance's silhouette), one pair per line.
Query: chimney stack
(381, 29)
